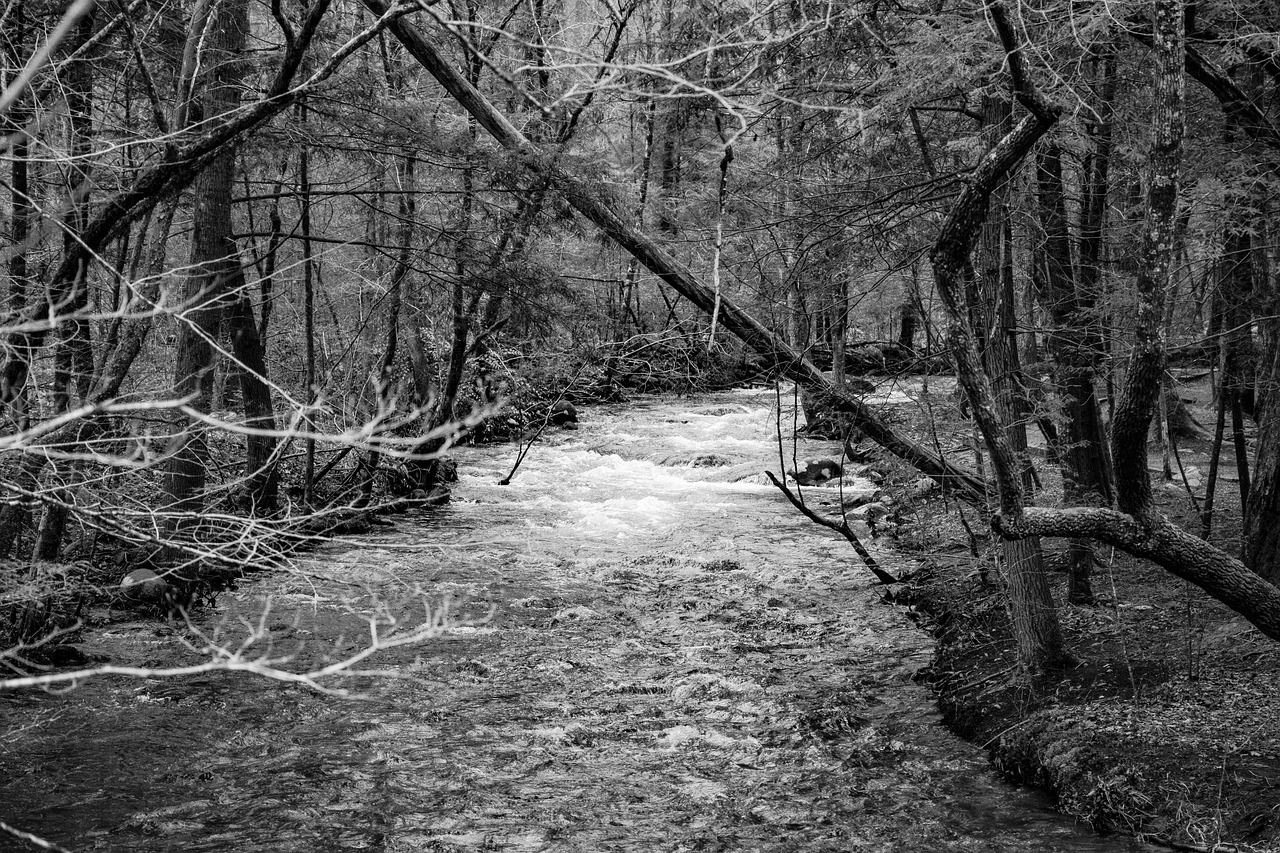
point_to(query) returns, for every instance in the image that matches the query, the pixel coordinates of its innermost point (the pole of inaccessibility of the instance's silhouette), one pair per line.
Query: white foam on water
(622, 517)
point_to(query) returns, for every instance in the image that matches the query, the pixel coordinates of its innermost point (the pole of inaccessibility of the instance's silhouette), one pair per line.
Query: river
(650, 651)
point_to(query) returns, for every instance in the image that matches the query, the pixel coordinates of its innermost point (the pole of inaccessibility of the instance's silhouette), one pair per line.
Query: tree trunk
(1146, 367)
(73, 359)
(214, 269)
(1031, 606)
(255, 397)
(22, 209)
(909, 317)
(1072, 346)
(407, 213)
(1262, 515)
(309, 390)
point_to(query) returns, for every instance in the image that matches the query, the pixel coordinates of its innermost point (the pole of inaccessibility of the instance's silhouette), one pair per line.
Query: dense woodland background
(264, 262)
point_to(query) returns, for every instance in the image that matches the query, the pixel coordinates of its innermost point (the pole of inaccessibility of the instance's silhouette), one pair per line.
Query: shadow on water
(652, 652)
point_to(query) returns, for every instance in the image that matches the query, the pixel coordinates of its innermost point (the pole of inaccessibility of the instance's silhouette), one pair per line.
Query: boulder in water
(563, 413)
(437, 495)
(856, 497)
(708, 460)
(813, 472)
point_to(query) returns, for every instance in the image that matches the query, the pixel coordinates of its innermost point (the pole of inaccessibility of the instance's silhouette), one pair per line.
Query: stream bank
(648, 651)
(1164, 728)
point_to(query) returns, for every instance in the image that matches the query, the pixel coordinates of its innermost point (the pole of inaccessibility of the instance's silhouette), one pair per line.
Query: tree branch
(842, 528)
(1157, 539)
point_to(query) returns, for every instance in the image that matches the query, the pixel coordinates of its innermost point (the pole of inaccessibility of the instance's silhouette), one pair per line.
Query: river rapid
(649, 651)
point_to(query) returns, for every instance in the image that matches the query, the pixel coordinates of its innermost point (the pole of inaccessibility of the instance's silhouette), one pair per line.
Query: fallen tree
(604, 213)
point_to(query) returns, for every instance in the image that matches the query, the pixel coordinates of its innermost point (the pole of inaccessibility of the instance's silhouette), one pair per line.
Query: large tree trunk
(255, 397)
(1039, 637)
(1262, 516)
(383, 396)
(1085, 469)
(1146, 367)
(1031, 605)
(214, 267)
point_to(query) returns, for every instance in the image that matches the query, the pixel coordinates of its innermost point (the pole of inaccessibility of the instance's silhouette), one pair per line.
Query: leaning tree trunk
(1031, 604)
(1038, 635)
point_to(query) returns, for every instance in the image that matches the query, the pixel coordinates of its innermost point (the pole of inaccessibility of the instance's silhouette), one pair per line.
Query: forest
(268, 263)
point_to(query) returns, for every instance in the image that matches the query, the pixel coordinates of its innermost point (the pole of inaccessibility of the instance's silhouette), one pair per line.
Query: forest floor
(1166, 726)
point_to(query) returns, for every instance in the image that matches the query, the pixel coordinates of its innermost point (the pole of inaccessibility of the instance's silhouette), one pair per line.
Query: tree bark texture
(990, 374)
(1146, 366)
(1262, 515)
(1073, 347)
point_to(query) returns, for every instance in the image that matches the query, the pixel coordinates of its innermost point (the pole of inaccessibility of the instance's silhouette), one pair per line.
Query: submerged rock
(709, 460)
(813, 472)
(564, 413)
(437, 495)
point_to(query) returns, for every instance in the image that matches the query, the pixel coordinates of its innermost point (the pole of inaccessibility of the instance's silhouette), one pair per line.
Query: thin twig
(841, 527)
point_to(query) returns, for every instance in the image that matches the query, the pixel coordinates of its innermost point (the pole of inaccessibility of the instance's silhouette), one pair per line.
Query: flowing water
(650, 651)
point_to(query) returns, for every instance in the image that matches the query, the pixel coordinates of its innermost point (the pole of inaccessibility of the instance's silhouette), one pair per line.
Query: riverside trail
(651, 652)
